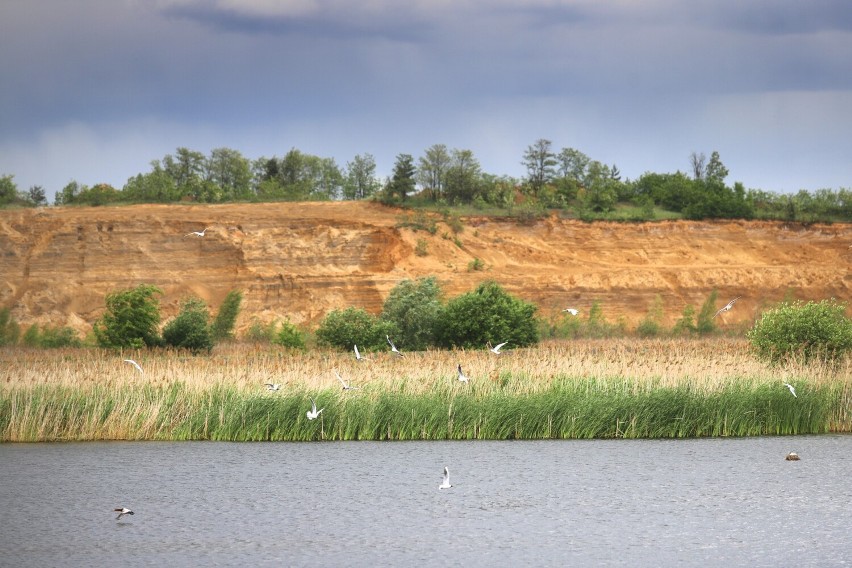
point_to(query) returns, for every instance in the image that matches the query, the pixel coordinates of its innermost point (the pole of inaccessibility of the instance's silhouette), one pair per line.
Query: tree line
(564, 179)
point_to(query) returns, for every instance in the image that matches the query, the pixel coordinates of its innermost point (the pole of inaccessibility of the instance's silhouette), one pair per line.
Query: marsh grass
(580, 389)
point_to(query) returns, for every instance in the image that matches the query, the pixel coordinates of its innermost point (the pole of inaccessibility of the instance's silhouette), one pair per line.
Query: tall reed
(592, 389)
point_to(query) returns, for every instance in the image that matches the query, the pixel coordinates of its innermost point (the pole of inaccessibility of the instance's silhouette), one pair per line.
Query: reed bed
(611, 388)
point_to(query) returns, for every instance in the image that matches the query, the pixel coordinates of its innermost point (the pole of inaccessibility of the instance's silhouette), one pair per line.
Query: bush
(9, 328)
(705, 323)
(190, 329)
(345, 328)
(131, 320)
(812, 330)
(488, 314)
(414, 307)
(289, 336)
(51, 337)
(259, 332)
(686, 324)
(650, 325)
(226, 318)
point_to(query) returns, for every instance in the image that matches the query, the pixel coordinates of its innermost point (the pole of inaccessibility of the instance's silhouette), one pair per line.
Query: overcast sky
(93, 90)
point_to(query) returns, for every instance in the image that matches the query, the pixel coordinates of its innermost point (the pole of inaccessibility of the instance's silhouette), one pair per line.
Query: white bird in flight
(462, 376)
(446, 483)
(272, 386)
(313, 412)
(496, 348)
(358, 355)
(727, 307)
(571, 311)
(122, 511)
(197, 233)
(792, 390)
(393, 347)
(135, 364)
(346, 387)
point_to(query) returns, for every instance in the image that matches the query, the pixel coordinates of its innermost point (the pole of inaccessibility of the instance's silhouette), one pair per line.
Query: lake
(708, 502)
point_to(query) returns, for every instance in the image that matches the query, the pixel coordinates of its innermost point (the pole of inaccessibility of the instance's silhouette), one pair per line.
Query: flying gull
(571, 311)
(792, 390)
(135, 364)
(358, 355)
(393, 347)
(122, 511)
(496, 349)
(346, 387)
(272, 386)
(313, 412)
(727, 307)
(197, 233)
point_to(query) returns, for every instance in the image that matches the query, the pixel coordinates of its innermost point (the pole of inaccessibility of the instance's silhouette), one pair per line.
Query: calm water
(716, 502)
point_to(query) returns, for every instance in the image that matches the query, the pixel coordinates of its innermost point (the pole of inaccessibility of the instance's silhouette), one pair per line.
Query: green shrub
(50, 337)
(289, 336)
(488, 314)
(811, 330)
(259, 332)
(9, 328)
(354, 326)
(422, 248)
(414, 307)
(705, 323)
(132, 318)
(475, 265)
(223, 324)
(686, 324)
(190, 329)
(650, 325)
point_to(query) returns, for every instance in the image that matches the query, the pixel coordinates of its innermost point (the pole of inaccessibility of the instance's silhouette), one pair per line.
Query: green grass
(567, 408)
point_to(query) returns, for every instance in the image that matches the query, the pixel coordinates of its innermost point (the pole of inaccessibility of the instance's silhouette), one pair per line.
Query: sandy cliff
(300, 260)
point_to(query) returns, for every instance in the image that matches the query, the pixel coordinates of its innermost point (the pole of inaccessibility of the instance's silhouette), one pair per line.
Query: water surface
(708, 502)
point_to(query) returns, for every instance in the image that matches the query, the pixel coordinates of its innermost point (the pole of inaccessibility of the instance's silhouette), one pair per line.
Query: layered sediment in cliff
(301, 260)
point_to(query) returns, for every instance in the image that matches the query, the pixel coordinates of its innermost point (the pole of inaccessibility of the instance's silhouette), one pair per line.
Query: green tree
(190, 329)
(230, 171)
(541, 163)
(705, 323)
(36, 195)
(815, 330)
(8, 190)
(650, 326)
(131, 319)
(9, 328)
(432, 170)
(353, 326)
(462, 178)
(716, 172)
(223, 324)
(360, 179)
(402, 181)
(289, 336)
(414, 306)
(686, 324)
(154, 187)
(487, 314)
(68, 194)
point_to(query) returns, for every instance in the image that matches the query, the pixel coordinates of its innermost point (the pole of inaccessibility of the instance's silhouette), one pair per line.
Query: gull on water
(346, 387)
(462, 376)
(571, 311)
(122, 511)
(272, 386)
(446, 483)
(393, 347)
(135, 364)
(727, 306)
(496, 348)
(197, 233)
(358, 355)
(792, 390)
(313, 412)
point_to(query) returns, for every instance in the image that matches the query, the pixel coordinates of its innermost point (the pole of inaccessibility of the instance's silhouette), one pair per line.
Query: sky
(94, 90)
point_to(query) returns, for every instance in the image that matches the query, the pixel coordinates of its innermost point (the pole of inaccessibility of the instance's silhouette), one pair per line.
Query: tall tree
(432, 170)
(541, 164)
(698, 164)
(573, 164)
(402, 181)
(360, 180)
(8, 189)
(186, 167)
(230, 171)
(36, 195)
(716, 171)
(463, 177)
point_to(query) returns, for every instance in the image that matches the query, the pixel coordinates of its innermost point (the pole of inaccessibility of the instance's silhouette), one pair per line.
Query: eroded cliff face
(301, 260)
